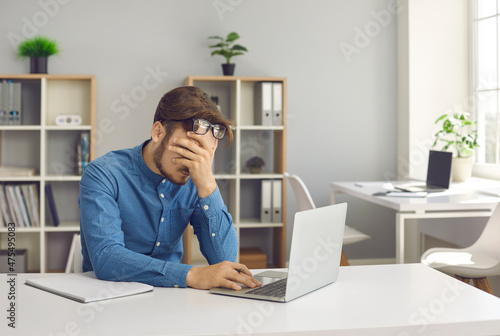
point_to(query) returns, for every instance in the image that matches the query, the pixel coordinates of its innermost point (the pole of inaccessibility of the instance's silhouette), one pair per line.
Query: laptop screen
(439, 169)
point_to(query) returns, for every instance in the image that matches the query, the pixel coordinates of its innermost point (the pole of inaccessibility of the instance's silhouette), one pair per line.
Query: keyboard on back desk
(274, 289)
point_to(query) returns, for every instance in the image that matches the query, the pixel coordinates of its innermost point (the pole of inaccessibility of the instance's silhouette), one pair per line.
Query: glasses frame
(211, 127)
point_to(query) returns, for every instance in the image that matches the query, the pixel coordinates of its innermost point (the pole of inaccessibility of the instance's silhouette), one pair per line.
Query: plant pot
(228, 69)
(38, 65)
(255, 170)
(461, 168)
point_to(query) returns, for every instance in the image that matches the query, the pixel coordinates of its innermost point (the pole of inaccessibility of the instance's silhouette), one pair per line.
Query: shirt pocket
(178, 221)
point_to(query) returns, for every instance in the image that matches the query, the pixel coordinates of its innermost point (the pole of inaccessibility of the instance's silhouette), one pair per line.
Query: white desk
(399, 300)
(462, 200)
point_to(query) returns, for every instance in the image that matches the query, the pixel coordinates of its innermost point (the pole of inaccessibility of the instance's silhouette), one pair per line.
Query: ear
(157, 132)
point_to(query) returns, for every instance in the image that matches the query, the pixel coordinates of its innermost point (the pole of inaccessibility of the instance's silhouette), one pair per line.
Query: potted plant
(38, 49)
(255, 164)
(458, 134)
(227, 49)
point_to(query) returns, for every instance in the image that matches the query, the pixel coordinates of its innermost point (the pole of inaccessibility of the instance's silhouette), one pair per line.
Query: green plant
(255, 162)
(37, 46)
(457, 133)
(226, 46)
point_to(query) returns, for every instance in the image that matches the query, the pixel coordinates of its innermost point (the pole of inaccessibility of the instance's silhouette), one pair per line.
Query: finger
(230, 284)
(205, 139)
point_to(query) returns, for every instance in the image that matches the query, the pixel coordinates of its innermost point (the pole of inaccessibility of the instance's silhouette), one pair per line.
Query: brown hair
(184, 103)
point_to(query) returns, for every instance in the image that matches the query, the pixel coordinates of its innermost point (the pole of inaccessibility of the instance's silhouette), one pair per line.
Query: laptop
(438, 174)
(314, 258)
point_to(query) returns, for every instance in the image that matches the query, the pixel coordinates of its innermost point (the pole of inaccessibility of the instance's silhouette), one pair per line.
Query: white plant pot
(461, 168)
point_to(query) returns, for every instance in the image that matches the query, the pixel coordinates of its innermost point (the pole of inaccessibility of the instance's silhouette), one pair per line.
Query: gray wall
(339, 57)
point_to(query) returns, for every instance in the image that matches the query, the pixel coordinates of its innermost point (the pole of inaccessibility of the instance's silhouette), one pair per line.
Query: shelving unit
(51, 149)
(240, 189)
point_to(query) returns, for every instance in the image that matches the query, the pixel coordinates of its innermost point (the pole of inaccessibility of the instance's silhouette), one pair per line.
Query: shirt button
(176, 286)
(213, 234)
(162, 219)
(158, 244)
(163, 181)
(162, 196)
(206, 207)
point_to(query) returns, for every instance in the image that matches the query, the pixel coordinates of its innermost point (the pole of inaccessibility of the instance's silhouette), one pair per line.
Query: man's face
(177, 174)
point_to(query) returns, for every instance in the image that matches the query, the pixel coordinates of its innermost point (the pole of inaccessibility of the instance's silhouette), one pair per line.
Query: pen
(239, 270)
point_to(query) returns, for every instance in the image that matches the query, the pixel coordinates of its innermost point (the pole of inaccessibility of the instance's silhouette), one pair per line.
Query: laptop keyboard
(274, 289)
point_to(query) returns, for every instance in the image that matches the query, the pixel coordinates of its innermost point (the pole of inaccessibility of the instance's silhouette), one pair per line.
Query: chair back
(489, 241)
(304, 199)
(75, 257)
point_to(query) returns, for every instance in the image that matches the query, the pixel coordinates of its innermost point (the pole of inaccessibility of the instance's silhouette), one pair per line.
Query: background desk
(398, 300)
(462, 200)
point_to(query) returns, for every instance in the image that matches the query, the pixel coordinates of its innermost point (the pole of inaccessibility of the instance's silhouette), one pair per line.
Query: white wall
(339, 57)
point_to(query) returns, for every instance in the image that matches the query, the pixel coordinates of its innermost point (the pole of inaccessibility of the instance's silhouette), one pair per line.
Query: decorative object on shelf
(228, 49)
(457, 134)
(38, 49)
(215, 99)
(255, 164)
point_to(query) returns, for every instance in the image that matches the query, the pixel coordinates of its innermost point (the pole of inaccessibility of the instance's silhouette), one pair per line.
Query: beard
(158, 155)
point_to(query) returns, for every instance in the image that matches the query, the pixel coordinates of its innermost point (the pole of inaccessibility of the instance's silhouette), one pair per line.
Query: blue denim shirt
(132, 221)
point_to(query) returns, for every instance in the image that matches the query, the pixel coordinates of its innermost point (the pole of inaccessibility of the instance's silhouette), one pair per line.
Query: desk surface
(409, 299)
(461, 196)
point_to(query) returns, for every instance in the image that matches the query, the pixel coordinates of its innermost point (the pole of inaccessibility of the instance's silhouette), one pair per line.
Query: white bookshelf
(239, 188)
(51, 149)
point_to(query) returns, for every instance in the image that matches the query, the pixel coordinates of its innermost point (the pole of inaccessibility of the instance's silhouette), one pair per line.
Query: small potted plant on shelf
(228, 49)
(38, 49)
(255, 164)
(457, 133)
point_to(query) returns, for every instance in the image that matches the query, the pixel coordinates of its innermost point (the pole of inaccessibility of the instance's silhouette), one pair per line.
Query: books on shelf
(9, 171)
(10, 103)
(19, 204)
(49, 196)
(83, 152)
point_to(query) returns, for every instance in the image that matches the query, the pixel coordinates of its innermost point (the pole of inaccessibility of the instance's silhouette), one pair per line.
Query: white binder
(263, 104)
(276, 204)
(266, 193)
(277, 103)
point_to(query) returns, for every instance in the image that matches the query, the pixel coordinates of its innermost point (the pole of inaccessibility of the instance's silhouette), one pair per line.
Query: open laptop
(438, 174)
(314, 257)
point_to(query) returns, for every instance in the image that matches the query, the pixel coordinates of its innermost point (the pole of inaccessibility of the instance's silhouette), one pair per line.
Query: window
(486, 88)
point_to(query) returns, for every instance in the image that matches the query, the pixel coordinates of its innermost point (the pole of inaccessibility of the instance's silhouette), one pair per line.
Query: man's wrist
(207, 189)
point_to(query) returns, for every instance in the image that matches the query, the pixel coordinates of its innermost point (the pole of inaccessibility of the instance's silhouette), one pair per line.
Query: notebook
(314, 257)
(438, 174)
(85, 287)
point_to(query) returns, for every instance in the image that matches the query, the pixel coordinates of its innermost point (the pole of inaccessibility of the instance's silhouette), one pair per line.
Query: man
(136, 203)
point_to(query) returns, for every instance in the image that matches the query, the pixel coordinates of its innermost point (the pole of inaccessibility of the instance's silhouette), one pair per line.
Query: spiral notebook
(85, 287)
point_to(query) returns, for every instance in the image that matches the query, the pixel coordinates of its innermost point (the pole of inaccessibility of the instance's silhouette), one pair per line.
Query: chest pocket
(177, 222)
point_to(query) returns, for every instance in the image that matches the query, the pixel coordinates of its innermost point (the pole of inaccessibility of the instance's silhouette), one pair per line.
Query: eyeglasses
(201, 126)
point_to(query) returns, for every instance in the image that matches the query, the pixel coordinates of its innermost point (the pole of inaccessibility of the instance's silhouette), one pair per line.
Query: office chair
(476, 262)
(305, 202)
(75, 258)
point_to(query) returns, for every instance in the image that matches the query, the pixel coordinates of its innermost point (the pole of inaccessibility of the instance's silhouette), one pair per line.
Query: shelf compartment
(31, 92)
(221, 90)
(20, 148)
(62, 158)
(258, 143)
(66, 202)
(57, 256)
(26, 239)
(69, 96)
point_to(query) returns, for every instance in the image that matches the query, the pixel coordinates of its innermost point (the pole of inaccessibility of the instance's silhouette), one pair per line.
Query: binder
(277, 103)
(13, 103)
(33, 195)
(276, 203)
(3, 107)
(23, 209)
(7, 216)
(13, 206)
(52, 204)
(266, 190)
(263, 103)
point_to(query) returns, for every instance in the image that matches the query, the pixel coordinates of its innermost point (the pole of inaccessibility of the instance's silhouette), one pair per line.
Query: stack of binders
(10, 103)
(271, 196)
(19, 205)
(268, 103)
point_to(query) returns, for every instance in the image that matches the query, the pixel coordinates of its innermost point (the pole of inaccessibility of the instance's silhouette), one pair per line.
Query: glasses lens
(201, 126)
(219, 131)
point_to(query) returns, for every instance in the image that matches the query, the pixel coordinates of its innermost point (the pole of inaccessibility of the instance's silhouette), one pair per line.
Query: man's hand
(224, 274)
(197, 153)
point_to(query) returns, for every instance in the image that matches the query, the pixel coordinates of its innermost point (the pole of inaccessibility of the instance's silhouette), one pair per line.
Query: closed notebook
(85, 287)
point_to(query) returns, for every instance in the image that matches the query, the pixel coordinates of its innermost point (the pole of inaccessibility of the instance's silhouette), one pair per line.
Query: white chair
(305, 202)
(476, 262)
(75, 258)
